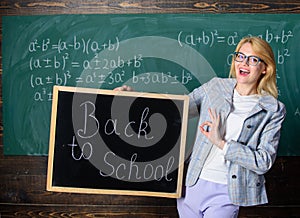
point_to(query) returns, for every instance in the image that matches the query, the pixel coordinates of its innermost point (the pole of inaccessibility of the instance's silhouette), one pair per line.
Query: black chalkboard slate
(111, 142)
(164, 53)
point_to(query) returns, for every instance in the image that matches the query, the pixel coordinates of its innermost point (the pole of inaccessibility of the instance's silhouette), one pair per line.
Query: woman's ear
(264, 71)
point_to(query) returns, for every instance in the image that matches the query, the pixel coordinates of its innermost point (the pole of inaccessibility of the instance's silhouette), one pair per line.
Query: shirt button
(249, 126)
(233, 176)
(258, 184)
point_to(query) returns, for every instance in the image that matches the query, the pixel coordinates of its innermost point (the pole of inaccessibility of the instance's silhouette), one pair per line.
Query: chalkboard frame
(180, 167)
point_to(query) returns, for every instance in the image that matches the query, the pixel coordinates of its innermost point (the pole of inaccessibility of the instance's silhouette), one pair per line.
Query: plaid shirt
(252, 155)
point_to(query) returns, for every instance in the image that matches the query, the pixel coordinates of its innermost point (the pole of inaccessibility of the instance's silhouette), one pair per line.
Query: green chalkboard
(168, 53)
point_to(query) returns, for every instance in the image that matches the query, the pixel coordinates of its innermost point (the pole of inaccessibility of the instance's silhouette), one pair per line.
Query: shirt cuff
(225, 148)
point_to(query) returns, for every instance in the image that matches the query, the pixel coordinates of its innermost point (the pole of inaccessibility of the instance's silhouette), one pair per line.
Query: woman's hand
(211, 129)
(123, 88)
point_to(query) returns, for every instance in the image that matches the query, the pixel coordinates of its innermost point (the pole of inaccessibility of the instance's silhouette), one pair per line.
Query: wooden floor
(23, 178)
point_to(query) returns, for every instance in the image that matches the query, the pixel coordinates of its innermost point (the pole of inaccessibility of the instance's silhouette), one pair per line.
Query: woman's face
(248, 75)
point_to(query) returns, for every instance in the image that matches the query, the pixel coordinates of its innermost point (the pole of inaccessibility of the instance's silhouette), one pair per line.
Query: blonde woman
(239, 130)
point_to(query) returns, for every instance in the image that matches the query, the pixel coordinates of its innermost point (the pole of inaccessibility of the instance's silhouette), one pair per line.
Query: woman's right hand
(123, 88)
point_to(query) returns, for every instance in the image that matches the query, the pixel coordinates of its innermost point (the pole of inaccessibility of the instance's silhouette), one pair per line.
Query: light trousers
(208, 200)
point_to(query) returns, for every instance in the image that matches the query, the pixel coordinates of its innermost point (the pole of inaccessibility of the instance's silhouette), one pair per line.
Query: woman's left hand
(211, 129)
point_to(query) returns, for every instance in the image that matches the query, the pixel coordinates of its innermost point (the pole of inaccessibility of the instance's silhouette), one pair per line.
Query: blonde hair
(262, 49)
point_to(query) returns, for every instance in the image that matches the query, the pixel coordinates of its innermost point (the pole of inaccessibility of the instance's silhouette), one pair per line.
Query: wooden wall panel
(23, 178)
(146, 6)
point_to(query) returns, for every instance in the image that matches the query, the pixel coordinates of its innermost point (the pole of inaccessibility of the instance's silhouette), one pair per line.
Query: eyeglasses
(251, 59)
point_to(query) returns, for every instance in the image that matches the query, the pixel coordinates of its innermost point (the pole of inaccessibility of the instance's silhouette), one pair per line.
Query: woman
(239, 131)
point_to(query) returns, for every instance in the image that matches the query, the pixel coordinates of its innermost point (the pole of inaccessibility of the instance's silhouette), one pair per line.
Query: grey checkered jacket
(252, 155)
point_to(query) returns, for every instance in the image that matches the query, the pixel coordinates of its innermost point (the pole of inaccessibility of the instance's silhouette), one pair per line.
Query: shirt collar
(266, 101)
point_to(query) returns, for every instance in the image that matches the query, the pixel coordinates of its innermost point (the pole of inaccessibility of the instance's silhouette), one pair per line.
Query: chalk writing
(162, 78)
(43, 95)
(212, 38)
(297, 112)
(282, 55)
(55, 79)
(86, 148)
(60, 63)
(207, 38)
(53, 62)
(111, 126)
(84, 45)
(132, 171)
(283, 37)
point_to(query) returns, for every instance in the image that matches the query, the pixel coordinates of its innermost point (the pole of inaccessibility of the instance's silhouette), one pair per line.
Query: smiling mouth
(244, 72)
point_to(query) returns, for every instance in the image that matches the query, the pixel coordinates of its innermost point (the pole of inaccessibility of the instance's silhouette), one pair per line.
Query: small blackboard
(113, 142)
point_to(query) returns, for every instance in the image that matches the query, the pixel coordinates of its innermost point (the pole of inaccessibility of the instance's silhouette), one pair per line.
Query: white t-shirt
(215, 168)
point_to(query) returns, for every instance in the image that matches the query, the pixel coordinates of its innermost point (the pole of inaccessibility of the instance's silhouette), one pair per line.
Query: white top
(215, 168)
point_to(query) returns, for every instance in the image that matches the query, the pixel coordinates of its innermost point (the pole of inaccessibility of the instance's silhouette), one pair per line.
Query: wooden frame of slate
(114, 142)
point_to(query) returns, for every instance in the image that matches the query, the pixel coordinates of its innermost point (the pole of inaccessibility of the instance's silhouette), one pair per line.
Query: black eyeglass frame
(247, 58)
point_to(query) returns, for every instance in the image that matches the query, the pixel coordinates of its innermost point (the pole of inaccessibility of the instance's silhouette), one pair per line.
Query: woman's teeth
(242, 71)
